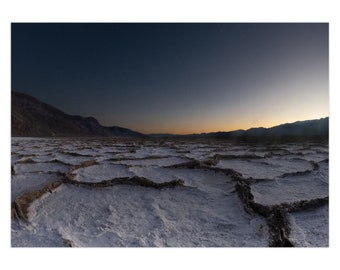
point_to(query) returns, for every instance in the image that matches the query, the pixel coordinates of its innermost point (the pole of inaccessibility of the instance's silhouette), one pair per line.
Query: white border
(167, 11)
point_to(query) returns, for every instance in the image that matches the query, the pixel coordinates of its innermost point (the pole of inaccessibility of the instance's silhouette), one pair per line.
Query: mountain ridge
(33, 118)
(307, 129)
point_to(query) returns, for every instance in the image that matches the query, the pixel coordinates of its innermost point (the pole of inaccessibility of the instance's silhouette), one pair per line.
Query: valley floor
(168, 193)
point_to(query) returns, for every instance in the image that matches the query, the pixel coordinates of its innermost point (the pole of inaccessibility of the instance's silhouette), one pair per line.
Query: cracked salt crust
(206, 211)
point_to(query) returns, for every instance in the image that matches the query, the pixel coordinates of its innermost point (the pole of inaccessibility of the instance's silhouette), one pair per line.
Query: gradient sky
(176, 78)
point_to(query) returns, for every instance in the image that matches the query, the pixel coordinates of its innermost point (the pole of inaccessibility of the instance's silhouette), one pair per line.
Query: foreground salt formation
(107, 192)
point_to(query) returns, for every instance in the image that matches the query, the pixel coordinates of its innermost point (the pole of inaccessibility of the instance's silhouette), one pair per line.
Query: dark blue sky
(178, 78)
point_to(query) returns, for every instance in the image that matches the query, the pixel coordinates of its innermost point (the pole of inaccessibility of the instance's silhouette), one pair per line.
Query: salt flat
(167, 193)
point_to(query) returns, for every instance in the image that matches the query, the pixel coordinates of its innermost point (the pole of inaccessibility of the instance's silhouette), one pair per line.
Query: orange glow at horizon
(236, 125)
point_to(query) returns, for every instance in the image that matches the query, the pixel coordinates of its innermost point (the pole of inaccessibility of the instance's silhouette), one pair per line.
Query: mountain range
(309, 129)
(317, 129)
(32, 118)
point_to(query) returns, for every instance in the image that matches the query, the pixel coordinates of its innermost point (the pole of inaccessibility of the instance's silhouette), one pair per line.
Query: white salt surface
(68, 159)
(29, 181)
(310, 228)
(293, 188)
(40, 167)
(137, 216)
(101, 172)
(264, 168)
(165, 161)
(206, 211)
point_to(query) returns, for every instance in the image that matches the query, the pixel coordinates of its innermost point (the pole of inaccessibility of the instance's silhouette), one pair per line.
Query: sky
(176, 78)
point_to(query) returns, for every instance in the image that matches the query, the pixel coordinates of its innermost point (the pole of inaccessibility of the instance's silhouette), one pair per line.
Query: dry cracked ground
(168, 193)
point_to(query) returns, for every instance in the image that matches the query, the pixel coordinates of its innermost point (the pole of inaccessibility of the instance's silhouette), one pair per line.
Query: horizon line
(170, 133)
(240, 129)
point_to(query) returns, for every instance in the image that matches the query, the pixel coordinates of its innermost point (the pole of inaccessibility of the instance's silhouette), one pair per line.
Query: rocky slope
(32, 118)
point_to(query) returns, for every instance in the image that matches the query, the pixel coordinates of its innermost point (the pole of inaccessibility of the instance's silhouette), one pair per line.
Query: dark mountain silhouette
(317, 129)
(33, 118)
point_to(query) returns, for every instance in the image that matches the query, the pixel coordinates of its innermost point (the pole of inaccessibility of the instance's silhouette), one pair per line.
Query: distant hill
(310, 129)
(32, 118)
